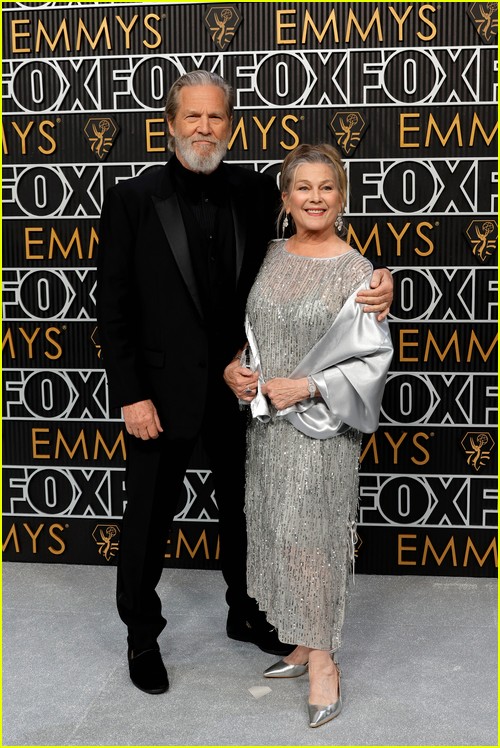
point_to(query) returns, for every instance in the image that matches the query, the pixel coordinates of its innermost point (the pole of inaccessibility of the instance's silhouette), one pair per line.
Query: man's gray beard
(205, 164)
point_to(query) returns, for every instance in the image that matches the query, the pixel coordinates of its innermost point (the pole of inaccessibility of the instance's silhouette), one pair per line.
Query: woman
(320, 365)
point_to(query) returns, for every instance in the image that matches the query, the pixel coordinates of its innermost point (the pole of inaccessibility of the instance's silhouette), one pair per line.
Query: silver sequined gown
(301, 493)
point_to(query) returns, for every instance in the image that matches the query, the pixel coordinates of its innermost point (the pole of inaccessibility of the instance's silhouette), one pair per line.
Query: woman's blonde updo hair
(322, 153)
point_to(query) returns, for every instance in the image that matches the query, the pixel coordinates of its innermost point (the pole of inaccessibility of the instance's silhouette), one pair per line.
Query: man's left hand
(378, 298)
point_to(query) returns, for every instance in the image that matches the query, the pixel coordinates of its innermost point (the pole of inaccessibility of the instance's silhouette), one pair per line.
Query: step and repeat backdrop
(408, 93)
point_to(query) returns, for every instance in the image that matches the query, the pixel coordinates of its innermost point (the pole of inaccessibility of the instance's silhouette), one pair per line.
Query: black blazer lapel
(238, 208)
(170, 216)
(240, 236)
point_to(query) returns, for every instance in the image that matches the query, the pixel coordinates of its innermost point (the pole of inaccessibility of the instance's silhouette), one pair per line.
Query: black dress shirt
(206, 209)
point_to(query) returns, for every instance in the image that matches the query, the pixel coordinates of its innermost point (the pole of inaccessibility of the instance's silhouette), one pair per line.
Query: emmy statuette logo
(222, 22)
(348, 129)
(106, 538)
(483, 237)
(101, 133)
(477, 446)
(484, 16)
(358, 542)
(95, 340)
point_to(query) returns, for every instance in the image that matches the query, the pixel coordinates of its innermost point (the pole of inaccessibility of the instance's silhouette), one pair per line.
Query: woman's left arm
(353, 387)
(349, 366)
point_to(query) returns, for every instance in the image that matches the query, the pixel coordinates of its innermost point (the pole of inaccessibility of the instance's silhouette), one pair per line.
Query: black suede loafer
(147, 671)
(256, 630)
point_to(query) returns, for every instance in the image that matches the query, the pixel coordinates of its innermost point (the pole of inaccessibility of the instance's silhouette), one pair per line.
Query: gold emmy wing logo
(358, 542)
(222, 21)
(484, 16)
(348, 128)
(106, 538)
(483, 237)
(101, 133)
(477, 446)
(95, 340)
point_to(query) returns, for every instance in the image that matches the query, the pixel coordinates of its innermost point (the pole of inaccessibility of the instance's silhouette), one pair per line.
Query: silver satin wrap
(349, 366)
(302, 492)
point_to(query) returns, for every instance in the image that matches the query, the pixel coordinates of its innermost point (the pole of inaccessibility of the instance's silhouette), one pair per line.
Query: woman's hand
(241, 380)
(285, 392)
(378, 298)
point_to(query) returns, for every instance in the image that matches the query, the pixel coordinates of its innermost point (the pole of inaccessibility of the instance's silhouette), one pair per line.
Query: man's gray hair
(195, 78)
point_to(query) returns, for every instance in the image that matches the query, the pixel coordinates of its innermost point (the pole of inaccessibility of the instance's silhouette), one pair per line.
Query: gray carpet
(419, 665)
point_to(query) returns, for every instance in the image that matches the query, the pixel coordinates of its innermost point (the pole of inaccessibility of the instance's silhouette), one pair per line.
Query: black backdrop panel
(408, 92)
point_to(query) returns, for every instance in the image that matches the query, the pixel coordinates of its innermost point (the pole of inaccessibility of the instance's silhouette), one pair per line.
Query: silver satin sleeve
(349, 365)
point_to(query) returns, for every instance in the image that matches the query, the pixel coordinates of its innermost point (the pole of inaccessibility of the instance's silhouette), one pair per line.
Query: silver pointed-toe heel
(282, 669)
(319, 715)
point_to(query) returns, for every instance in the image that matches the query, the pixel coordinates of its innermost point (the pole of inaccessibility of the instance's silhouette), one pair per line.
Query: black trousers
(154, 480)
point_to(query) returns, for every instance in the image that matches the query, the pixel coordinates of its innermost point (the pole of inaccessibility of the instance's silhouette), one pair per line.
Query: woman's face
(314, 200)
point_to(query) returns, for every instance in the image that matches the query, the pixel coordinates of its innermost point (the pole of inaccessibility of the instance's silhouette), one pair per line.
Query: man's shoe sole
(152, 691)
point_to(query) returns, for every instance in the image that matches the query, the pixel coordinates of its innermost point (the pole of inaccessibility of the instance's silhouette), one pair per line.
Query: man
(180, 246)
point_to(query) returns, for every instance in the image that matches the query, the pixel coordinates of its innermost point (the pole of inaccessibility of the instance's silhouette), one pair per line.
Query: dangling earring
(339, 223)
(284, 226)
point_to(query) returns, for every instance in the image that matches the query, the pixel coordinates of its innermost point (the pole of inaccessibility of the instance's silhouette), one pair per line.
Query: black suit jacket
(153, 335)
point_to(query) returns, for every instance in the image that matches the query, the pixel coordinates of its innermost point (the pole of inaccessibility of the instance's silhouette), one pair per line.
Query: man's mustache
(204, 140)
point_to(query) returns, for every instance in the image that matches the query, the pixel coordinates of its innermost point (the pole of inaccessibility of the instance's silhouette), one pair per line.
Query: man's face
(201, 128)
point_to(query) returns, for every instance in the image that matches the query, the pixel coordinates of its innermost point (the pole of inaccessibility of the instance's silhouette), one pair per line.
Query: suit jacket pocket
(153, 359)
